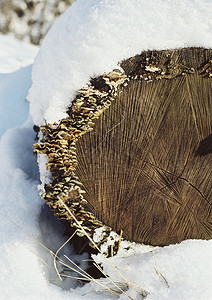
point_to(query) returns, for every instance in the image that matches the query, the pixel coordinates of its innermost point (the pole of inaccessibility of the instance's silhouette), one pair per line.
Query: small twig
(90, 239)
(86, 275)
(157, 270)
(56, 254)
(42, 260)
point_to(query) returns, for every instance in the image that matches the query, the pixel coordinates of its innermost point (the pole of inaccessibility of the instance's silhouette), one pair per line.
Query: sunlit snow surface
(186, 267)
(93, 36)
(15, 54)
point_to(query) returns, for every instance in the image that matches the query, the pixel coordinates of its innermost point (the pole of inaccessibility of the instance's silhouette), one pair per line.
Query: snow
(182, 266)
(14, 110)
(22, 272)
(91, 37)
(15, 54)
(99, 234)
(64, 64)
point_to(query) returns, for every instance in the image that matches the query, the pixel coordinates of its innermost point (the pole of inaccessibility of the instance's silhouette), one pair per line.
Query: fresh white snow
(14, 106)
(184, 266)
(89, 39)
(23, 274)
(15, 54)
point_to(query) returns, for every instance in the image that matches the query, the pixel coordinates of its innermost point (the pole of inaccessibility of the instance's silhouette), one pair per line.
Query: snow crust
(91, 37)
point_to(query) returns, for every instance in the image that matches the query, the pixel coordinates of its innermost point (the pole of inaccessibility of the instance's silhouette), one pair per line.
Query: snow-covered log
(126, 131)
(135, 151)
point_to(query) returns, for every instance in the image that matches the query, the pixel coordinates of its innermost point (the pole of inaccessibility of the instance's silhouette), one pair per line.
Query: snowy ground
(185, 269)
(15, 54)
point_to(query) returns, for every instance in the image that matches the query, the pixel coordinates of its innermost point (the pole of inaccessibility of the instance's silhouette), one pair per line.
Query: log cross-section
(145, 162)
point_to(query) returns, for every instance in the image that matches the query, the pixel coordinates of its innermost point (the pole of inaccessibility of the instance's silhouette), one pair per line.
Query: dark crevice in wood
(202, 195)
(177, 178)
(205, 146)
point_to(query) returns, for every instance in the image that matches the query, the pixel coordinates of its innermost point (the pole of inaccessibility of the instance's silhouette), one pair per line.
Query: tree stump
(139, 144)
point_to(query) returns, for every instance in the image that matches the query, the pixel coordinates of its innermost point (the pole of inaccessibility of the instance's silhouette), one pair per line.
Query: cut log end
(140, 144)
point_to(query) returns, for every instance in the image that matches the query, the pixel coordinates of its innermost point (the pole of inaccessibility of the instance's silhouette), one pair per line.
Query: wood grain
(146, 166)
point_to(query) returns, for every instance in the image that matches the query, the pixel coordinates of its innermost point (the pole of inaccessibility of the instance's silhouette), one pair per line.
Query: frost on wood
(133, 154)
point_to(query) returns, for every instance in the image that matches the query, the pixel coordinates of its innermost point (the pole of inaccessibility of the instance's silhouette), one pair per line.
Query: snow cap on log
(93, 36)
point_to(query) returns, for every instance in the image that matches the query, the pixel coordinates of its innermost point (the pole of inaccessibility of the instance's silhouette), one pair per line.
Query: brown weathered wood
(146, 166)
(140, 144)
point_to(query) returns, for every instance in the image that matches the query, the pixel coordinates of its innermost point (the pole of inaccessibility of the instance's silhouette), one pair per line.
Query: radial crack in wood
(141, 147)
